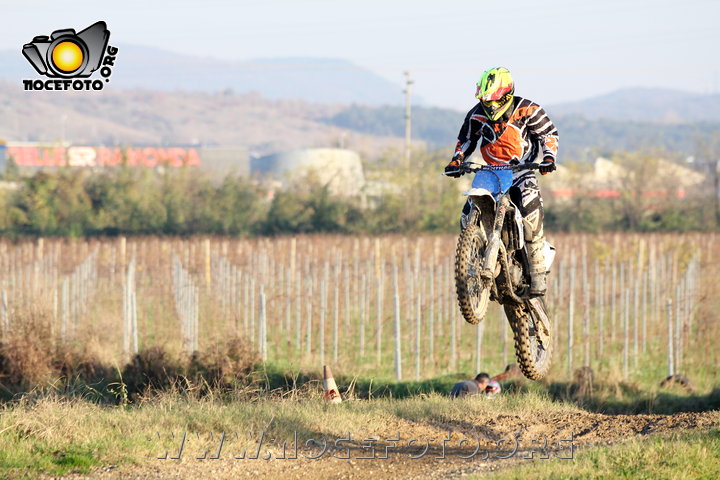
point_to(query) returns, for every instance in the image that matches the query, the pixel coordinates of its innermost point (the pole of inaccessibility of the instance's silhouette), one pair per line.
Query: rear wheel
(533, 337)
(473, 297)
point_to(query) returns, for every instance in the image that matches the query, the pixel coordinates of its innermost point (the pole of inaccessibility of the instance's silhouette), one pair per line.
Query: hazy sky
(557, 50)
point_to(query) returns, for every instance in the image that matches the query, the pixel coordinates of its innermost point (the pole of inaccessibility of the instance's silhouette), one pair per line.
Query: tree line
(132, 201)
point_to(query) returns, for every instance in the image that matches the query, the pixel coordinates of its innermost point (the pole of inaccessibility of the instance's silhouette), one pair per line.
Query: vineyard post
(637, 285)
(323, 310)
(622, 307)
(355, 281)
(646, 284)
(670, 355)
(396, 303)
(263, 325)
(380, 287)
(442, 285)
(246, 303)
(289, 303)
(659, 282)
(652, 274)
(133, 306)
(126, 320)
(336, 311)
(408, 295)
(74, 307)
(276, 290)
(431, 307)
(586, 308)
(196, 319)
(293, 253)
(298, 311)
(185, 304)
(206, 248)
(308, 329)
(601, 305)
(367, 297)
(54, 304)
(347, 298)
(133, 311)
(626, 331)
(693, 289)
(4, 315)
(678, 331)
(571, 307)
(689, 297)
(417, 333)
(560, 289)
(361, 319)
(251, 319)
(453, 338)
(64, 313)
(478, 349)
(123, 248)
(613, 303)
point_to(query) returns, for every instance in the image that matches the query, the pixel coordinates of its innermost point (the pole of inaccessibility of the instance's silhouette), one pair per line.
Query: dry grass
(56, 435)
(26, 353)
(30, 362)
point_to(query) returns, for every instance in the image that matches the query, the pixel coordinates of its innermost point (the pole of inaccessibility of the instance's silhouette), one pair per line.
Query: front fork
(487, 274)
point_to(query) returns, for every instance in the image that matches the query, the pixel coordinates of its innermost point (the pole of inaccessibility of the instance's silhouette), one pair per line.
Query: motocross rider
(511, 129)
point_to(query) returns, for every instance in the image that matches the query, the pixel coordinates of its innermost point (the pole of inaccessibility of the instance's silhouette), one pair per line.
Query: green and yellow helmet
(495, 91)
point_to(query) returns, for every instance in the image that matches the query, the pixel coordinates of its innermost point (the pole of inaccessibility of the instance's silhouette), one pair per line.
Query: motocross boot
(538, 270)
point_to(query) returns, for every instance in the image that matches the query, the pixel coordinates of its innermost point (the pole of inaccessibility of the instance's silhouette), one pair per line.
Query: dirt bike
(491, 264)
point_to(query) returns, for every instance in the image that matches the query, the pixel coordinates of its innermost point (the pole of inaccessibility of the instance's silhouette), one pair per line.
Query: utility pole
(408, 87)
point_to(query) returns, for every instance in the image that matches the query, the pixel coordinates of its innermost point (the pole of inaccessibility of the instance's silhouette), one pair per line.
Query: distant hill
(645, 105)
(309, 79)
(142, 117)
(437, 126)
(266, 126)
(440, 127)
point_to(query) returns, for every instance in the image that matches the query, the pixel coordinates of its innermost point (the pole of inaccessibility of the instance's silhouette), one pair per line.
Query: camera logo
(68, 56)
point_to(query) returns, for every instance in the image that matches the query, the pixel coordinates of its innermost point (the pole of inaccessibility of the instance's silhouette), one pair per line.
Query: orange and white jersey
(518, 136)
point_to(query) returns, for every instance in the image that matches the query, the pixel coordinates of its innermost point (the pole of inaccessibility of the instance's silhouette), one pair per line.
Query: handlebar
(466, 168)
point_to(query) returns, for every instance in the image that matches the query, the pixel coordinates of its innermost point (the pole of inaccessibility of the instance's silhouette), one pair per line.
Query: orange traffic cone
(331, 394)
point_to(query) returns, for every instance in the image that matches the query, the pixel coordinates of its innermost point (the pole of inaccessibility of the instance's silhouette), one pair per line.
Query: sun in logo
(67, 56)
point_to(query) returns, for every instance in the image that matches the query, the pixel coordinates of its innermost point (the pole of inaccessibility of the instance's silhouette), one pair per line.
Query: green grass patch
(693, 455)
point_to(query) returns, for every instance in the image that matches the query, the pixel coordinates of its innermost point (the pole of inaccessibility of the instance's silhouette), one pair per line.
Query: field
(259, 317)
(354, 303)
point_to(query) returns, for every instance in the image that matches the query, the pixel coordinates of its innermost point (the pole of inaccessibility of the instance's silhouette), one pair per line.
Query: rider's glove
(454, 166)
(544, 170)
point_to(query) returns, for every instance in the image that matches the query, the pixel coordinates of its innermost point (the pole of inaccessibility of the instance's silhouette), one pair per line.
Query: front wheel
(473, 297)
(533, 337)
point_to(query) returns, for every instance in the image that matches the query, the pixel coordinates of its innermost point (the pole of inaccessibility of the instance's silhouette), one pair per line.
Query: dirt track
(496, 436)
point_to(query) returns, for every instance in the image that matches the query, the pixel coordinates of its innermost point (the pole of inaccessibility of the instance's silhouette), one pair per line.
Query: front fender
(479, 192)
(483, 201)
